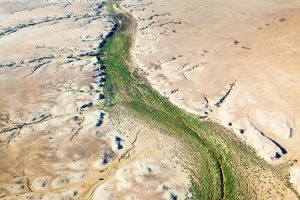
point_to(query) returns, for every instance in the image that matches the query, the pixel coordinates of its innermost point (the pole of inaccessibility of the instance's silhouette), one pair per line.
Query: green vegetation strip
(216, 158)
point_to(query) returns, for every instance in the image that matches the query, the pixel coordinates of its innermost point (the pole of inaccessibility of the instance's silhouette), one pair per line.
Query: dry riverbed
(232, 62)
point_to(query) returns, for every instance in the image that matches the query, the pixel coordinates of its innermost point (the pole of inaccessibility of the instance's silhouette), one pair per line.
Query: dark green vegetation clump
(216, 159)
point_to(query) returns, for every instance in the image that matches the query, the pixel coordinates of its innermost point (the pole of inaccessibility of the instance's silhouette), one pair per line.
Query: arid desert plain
(149, 99)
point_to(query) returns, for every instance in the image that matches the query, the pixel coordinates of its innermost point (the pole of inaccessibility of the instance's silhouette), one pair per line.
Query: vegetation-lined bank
(217, 160)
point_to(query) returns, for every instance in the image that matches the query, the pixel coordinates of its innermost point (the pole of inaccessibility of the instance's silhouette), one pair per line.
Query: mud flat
(233, 62)
(57, 140)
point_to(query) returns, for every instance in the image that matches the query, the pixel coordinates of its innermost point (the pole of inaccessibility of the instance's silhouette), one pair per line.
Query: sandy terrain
(235, 62)
(56, 139)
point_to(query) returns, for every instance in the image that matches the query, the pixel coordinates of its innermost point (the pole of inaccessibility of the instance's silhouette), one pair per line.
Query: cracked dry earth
(56, 139)
(235, 62)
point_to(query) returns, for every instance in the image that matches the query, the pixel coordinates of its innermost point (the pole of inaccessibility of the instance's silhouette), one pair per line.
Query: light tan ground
(50, 147)
(197, 52)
